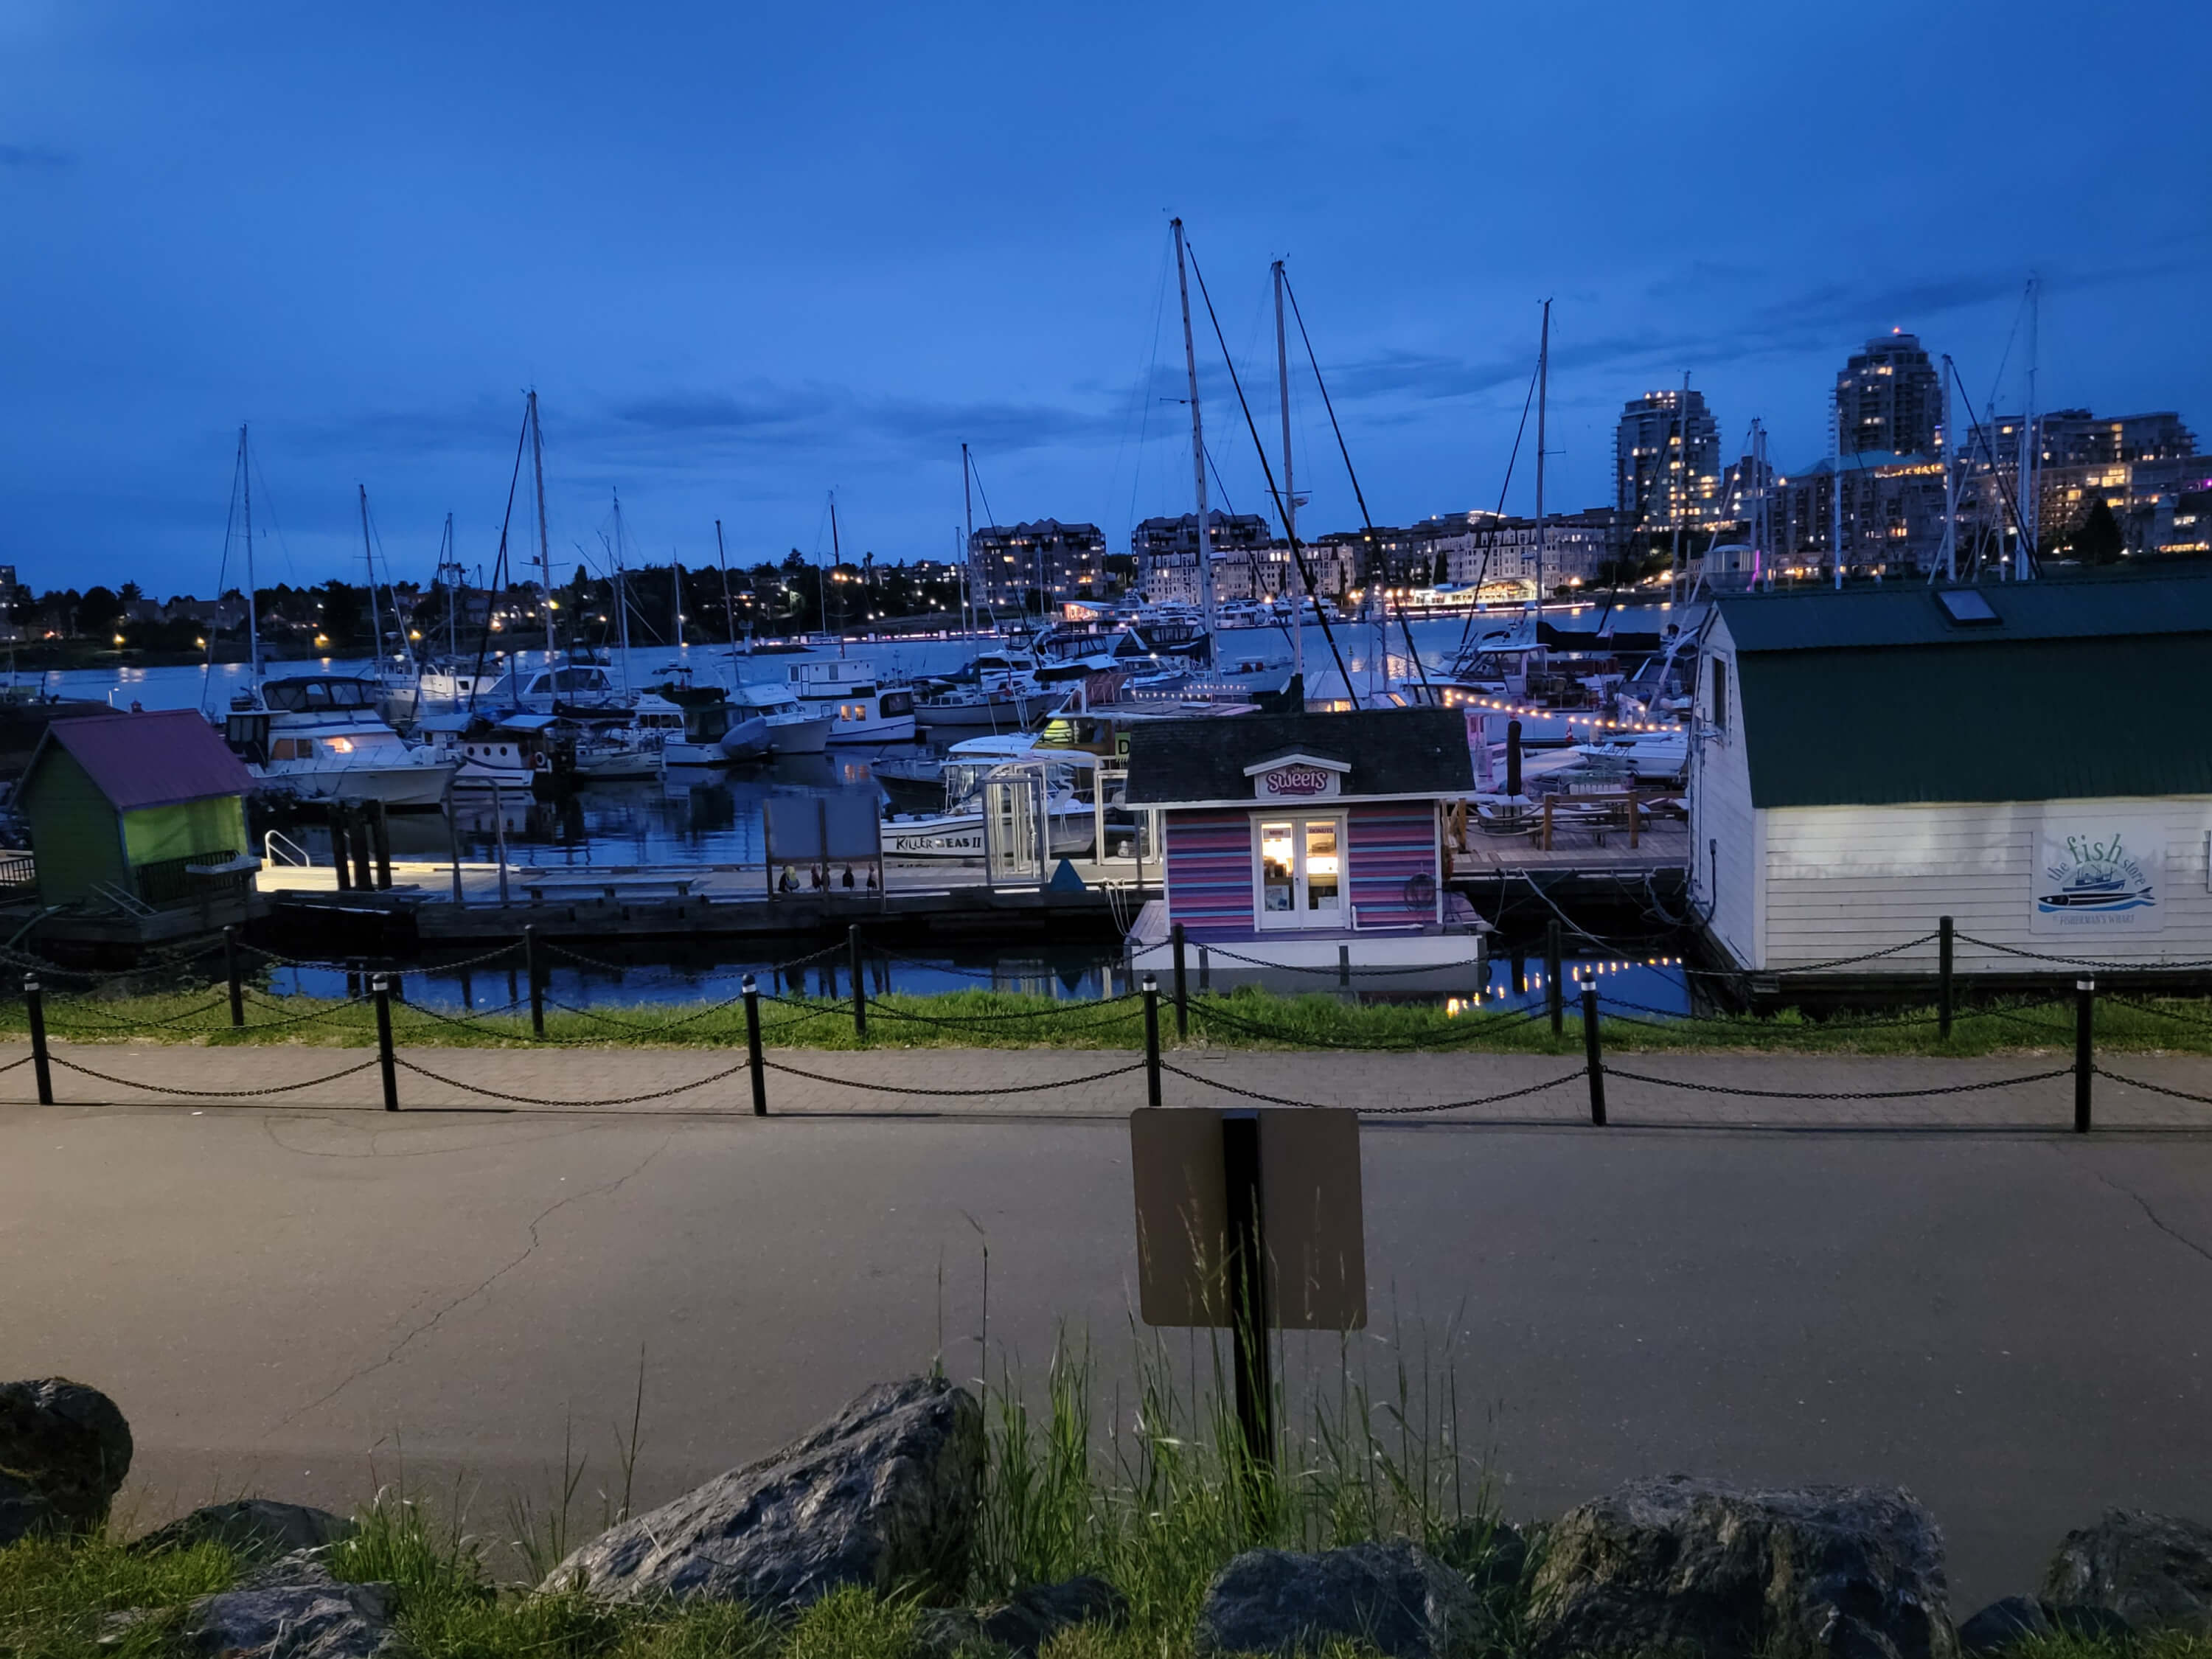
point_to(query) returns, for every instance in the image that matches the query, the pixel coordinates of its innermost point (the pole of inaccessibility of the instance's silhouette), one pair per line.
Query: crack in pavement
(427, 1325)
(2151, 1215)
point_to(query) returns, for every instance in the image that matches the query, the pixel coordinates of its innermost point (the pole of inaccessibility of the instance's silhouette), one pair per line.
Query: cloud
(31, 157)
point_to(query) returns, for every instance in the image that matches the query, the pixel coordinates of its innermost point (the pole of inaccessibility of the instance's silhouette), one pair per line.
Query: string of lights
(1522, 710)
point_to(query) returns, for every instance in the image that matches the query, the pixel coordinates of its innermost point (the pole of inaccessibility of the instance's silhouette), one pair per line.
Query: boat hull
(400, 788)
(807, 734)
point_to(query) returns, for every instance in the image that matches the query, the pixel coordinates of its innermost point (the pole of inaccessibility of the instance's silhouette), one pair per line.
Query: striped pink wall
(1210, 872)
(1391, 842)
(1209, 866)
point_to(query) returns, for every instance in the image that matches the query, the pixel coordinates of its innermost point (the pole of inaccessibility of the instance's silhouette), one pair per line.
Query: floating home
(138, 826)
(2027, 758)
(1306, 841)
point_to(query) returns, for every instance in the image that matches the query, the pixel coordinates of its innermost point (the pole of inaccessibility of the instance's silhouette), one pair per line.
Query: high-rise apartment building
(1667, 461)
(1166, 551)
(1889, 399)
(1012, 561)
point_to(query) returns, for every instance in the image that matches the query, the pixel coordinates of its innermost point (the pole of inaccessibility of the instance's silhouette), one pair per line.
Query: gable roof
(1390, 751)
(159, 758)
(2080, 690)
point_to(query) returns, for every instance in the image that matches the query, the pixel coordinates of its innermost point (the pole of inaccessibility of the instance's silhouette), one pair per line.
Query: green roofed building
(2030, 759)
(141, 819)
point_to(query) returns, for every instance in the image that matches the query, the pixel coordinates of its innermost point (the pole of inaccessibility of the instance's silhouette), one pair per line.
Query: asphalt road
(308, 1302)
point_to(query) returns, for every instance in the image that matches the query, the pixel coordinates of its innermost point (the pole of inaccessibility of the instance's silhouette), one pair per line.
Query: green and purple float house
(1309, 845)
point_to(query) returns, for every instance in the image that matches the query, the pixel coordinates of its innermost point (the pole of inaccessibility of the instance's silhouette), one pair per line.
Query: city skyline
(368, 236)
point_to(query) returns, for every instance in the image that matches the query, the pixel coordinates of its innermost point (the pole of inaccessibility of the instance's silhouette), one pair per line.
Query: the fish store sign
(1298, 777)
(2099, 872)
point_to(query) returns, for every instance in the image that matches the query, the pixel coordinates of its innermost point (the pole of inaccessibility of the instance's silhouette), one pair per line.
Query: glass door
(1299, 867)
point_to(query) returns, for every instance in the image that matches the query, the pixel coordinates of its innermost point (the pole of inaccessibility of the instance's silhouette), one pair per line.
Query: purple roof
(156, 759)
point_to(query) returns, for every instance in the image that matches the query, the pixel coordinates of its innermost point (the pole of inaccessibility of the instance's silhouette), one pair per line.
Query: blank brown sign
(1310, 1210)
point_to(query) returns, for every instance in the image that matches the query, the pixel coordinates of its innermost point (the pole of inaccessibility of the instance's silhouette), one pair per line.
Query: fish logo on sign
(2095, 877)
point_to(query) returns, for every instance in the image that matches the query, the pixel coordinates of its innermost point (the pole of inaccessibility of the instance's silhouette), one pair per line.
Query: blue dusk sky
(749, 255)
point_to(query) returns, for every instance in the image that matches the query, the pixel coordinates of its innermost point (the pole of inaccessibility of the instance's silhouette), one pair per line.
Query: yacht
(541, 688)
(792, 729)
(520, 750)
(1069, 782)
(699, 728)
(863, 710)
(320, 737)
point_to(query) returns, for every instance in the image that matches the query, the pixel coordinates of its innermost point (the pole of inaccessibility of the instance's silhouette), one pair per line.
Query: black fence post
(754, 1063)
(381, 988)
(535, 970)
(235, 973)
(859, 981)
(1152, 1040)
(1249, 1317)
(1593, 1061)
(2085, 1014)
(34, 1007)
(1555, 994)
(1182, 985)
(1944, 934)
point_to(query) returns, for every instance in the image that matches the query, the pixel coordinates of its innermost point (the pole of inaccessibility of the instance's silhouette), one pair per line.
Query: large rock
(292, 1609)
(64, 1451)
(251, 1528)
(2154, 1570)
(882, 1496)
(1391, 1596)
(1025, 1621)
(1850, 1571)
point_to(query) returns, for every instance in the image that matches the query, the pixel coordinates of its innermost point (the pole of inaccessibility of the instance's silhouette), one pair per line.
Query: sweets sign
(2098, 873)
(1298, 777)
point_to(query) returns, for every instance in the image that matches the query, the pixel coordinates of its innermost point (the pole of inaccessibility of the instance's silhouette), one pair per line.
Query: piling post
(1593, 1061)
(1152, 1040)
(1555, 994)
(341, 850)
(454, 845)
(381, 834)
(1182, 985)
(859, 981)
(2085, 1011)
(1344, 967)
(1249, 1317)
(754, 1062)
(533, 967)
(34, 1009)
(381, 986)
(234, 971)
(499, 833)
(364, 877)
(1205, 970)
(1944, 937)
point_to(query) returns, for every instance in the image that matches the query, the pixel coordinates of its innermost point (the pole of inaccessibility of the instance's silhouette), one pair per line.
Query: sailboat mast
(1197, 444)
(676, 595)
(450, 568)
(2030, 451)
(1836, 482)
(1543, 394)
(622, 594)
(253, 593)
(1950, 481)
(1290, 493)
(545, 547)
(729, 610)
(821, 581)
(1674, 577)
(369, 553)
(967, 546)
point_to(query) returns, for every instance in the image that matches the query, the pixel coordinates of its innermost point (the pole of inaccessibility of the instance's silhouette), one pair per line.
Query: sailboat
(320, 737)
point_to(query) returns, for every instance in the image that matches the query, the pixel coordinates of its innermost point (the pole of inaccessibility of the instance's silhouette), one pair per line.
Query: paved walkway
(1789, 1091)
(309, 1302)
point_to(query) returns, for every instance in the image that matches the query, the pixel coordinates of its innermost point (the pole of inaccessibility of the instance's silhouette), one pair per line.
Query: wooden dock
(940, 900)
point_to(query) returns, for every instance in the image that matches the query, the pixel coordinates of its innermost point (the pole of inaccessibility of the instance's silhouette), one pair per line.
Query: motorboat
(521, 750)
(863, 710)
(699, 730)
(320, 737)
(544, 688)
(1064, 782)
(792, 729)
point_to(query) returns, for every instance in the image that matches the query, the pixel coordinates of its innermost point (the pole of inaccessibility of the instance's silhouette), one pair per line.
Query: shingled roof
(1389, 752)
(159, 758)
